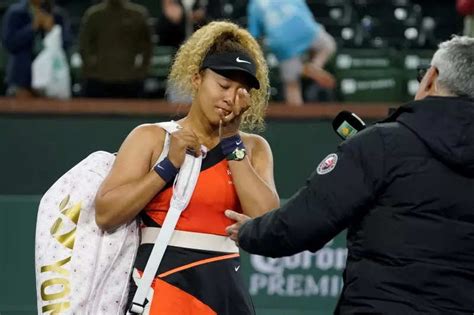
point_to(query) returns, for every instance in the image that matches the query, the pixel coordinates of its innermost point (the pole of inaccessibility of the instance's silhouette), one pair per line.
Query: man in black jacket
(404, 189)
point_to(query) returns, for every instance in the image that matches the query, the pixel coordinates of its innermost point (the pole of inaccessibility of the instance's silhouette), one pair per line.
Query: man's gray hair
(455, 62)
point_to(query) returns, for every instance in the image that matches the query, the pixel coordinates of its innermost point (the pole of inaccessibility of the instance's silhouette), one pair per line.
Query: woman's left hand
(231, 122)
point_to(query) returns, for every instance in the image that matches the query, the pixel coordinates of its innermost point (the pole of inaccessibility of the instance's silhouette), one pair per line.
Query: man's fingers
(231, 229)
(233, 232)
(235, 216)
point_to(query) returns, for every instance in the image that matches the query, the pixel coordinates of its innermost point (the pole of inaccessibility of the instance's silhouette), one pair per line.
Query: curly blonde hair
(211, 38)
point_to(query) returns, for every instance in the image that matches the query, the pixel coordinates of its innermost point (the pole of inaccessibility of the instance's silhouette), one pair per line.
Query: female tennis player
(222, 69)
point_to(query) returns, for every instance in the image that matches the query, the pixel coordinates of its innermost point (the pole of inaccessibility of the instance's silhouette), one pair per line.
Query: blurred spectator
(466, 9)
(115, 46)
(291, 31)
(174, 25)
(24, 25)
(216, 9)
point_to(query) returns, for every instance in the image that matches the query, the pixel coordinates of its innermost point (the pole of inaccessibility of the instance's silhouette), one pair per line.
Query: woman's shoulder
(148, 132)
(152, 128)
(148, 139)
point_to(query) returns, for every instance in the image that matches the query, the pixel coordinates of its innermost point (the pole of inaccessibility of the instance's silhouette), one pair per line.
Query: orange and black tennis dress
(200, 271)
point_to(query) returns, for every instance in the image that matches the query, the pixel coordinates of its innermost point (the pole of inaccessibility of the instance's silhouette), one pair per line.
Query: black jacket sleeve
(325, 206)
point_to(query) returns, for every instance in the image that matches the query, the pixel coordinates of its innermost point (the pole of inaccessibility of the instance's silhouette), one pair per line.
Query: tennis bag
(81, 269)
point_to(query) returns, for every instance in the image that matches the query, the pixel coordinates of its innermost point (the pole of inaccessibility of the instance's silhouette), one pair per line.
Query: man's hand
(233, 230)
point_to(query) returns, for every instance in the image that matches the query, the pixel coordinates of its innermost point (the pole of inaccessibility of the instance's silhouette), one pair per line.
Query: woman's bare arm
(131, 183)
(253, 177)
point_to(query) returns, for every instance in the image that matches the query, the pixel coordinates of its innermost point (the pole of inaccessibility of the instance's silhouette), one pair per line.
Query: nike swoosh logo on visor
(242, 60)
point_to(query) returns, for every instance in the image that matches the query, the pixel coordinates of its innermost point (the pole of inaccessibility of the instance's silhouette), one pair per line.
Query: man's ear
(431, 76)
(428, 86)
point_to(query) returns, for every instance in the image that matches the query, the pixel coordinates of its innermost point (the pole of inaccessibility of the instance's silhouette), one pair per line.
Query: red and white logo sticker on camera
(327, 164)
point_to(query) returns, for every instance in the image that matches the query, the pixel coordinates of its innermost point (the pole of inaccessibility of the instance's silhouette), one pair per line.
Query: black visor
(236, 61)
